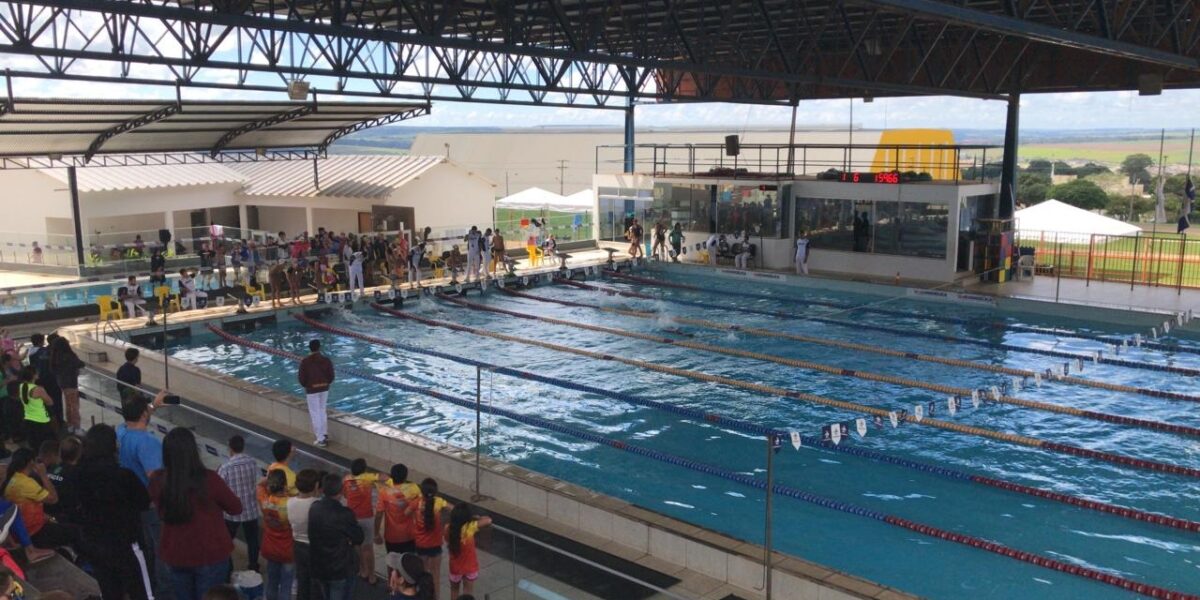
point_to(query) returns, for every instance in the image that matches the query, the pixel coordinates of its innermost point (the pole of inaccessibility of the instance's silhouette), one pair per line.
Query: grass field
(1110, 152)
(1162, 259)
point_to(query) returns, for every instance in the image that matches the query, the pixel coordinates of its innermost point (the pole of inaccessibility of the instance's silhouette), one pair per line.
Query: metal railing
(508, 545)
(1151, 259)
(915, 162)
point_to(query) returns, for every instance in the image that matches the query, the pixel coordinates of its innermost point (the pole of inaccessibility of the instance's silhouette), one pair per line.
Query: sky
(1121, 110)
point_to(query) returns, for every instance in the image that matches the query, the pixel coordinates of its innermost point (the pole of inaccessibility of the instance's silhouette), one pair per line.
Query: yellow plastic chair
(439, 267)
(535, 255)
(167, 300)
(253, 292)
(109, 308)
(704, 256)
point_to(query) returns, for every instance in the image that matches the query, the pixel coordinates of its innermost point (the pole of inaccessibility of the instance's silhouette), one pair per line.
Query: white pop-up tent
(581, 201)
(536, 198)
(1053, 216)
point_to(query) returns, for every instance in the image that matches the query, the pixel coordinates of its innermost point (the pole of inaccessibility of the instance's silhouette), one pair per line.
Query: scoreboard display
(888, 177)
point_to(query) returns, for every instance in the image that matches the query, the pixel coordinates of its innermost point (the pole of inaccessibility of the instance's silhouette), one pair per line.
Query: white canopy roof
(1055, 216)
(536, 198)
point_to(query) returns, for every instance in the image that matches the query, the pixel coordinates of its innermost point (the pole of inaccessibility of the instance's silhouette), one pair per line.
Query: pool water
(871, 549)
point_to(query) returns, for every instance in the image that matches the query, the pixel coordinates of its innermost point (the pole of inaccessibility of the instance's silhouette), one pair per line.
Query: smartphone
(171, 399)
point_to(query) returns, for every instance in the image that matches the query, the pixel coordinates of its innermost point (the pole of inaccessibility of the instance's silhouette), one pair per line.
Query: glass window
(753, 209)
(829, 223)
(923, 228)
(887, 228)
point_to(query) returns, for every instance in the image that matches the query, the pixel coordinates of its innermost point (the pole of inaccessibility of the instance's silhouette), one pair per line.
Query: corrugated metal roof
(105, 179)
(341, 176)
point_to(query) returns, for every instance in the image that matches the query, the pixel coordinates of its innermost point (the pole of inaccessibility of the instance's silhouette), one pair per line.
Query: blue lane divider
(1106, 338)
(757, 429)
(1120, 362)
(750, 481)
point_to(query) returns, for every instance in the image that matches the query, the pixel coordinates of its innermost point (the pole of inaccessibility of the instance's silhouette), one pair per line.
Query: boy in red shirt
(393, 525)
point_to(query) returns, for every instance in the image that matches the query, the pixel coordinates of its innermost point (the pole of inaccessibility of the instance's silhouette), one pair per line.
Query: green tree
(1137, 168)
(1039, 165)
(1119, 207)
(1091, 169)
(1062, 168)
(1032, 187)
(1081, 193)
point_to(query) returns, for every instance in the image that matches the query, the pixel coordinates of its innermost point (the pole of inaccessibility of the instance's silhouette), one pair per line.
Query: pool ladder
(110, 327)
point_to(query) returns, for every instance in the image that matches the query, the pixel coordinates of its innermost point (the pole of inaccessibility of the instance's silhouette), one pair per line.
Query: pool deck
(709, 565)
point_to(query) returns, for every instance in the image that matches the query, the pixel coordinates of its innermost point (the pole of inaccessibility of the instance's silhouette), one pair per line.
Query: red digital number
(856, 178)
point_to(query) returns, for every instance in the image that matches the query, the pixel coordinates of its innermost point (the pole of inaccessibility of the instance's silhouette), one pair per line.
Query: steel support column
(1008, 173)
(629, 137)
(73, 186)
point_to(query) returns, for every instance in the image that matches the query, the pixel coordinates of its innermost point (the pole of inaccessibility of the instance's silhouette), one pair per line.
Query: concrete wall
(31, 197)
(340, 221)
(445, 196)
(277, 218)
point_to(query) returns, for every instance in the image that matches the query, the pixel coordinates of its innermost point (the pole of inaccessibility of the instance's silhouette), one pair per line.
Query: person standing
(676, 239)
(281, 451)
(428, 533)
(460, 541)
(129, 375)
(355, 274)
(111, 501)
(497, 251)
(474, 240)
(359, 488)
(316, 375)
(240, 473)
(802, 254)
(46, 379)
(277, 536)
(66, 366)
(393, 524)
(191, 500)
(298, 509)
(141, 453)
(333, 535)
(35, 402)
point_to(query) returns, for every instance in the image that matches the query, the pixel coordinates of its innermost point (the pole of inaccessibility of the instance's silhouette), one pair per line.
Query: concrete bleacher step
(59, 574)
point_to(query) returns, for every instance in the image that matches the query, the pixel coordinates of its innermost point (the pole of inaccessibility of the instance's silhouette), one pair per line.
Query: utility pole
(562, 168)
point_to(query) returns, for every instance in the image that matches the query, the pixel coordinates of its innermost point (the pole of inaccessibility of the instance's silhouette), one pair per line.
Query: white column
(308, 220)
(243, 220)
(169, 222)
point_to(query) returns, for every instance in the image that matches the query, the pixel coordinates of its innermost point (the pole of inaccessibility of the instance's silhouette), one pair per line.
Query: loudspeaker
(164, 236)
(731, 146)
(1150, 84)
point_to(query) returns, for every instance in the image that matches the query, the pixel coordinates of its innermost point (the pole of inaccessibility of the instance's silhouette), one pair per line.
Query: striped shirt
(241, 474)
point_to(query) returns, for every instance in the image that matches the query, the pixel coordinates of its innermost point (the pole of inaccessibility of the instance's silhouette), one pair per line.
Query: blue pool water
(871, 549)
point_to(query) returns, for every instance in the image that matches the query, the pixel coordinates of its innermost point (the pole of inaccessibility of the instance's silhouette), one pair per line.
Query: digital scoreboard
(889, 177)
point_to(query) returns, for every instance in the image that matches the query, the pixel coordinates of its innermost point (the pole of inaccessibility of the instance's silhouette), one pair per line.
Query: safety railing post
(767, 542)
(478, 427)
(1133, 270)
(1182, 258)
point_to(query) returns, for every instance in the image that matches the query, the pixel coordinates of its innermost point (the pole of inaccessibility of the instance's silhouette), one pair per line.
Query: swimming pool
(1146, 552)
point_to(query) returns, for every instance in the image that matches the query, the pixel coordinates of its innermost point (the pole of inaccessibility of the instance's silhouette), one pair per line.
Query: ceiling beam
(127, 126)
(1036, 32)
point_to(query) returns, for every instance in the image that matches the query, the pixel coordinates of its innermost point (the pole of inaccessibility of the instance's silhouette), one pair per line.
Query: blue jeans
(192, 582)
(279, 580)
(341, 589)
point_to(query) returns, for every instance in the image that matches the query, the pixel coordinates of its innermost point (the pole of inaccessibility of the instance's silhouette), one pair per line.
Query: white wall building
(350, 194)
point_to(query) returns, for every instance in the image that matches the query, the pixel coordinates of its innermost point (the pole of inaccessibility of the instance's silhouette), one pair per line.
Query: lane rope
(1012, 438)
(959, 392)
(757, 429)
(1180, 318)
(1145, 589)
(1120, 362)
(1116, 387)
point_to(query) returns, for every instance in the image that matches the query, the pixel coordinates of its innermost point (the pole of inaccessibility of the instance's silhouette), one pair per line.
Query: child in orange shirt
(460, 539)
(428, 533)
(358, 487)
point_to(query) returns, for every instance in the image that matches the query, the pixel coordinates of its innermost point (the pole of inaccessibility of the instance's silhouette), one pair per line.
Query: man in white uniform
(802, 254)
(355, 272)
(712, 249)
(473, 241)
(414, 262)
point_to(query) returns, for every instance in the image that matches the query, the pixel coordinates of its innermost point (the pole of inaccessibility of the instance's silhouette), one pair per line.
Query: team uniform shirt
(473, 240)
(802, 247)
(357, 489)
(28, 495)
(288, 473)
(393, 502)
(466, 562)
(427, 535)
(277, 530)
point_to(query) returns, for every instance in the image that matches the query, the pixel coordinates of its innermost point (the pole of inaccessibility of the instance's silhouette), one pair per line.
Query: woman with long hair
(408, 578)
(111, 500)
(22, 487)
(36, 403)
(192, 501)
(460, 541)
(428, 532)
(66, 366)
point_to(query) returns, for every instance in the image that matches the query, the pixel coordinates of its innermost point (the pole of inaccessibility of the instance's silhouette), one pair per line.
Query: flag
(931, 408)
(919, 412)
(894, 418)
(796, 440)
(878, 422)
(826, 434)
(952, 405)
(835, 432)
(861, 426)
(1183, 224)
